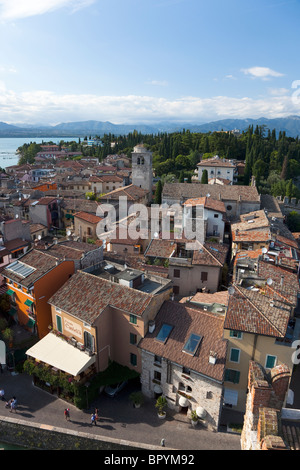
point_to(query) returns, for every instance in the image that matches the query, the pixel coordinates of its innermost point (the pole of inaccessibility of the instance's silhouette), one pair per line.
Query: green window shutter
(59, 323)
(28, 302)
(133, 319)
(133, 359)
(132, 338)
(232, 376)
(270, 362)
(10, 292)
(234, 355)
(237, 377)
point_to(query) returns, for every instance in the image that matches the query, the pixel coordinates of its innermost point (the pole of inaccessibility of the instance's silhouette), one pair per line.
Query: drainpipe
(254, 347)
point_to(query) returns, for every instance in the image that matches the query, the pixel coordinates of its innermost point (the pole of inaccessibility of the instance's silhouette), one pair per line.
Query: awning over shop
(58, 353)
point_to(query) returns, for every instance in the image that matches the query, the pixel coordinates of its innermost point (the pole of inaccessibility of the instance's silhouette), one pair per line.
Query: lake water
(5, 446)
(9, 146)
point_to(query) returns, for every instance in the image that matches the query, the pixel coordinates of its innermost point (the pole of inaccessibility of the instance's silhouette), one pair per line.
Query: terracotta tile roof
(253, 312)
(87, 217)
(79, 205)
(221, 297)
(186, 320)
(70, 250)
(251, 236)
(251, 221)
(132, 192)
(208, 203)
(46, 200)
(285, 284)
(211, 254)
(85, 296)
(216, 162)
(40, 260)
(159, 248)
(216, 191)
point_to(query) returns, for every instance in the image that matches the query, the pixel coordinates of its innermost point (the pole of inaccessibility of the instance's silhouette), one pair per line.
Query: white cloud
(47, 107)
(157, 82)
(17, 9)
(265, 73)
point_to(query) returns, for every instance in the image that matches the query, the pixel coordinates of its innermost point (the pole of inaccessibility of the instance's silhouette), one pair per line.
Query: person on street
(93, 419)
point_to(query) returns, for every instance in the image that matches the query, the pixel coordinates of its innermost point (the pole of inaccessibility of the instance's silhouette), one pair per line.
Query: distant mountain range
(290, 124)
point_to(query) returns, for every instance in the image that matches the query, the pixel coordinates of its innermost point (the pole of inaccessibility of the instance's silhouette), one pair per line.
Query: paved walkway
(118, 419)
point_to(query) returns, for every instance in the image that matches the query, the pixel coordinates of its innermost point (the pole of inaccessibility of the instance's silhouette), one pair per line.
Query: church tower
(142, 173)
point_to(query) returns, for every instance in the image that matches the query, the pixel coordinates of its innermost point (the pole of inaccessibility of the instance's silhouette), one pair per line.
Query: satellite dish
(17, 216)
(264, 250)
(207, 195)
(68, 233)
(231, 290)
(39, 237)
(155, 235)
(269, 281)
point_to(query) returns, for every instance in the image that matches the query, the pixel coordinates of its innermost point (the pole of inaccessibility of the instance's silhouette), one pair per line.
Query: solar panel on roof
(20, 269)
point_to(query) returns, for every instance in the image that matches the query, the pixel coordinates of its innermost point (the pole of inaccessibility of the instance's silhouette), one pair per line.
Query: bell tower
(142, 173)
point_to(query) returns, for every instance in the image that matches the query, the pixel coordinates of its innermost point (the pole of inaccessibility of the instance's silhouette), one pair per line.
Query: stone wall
(203, 392)
(42, 437)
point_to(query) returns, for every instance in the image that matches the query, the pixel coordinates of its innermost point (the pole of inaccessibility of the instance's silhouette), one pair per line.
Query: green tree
(158, 191)
(204, 177)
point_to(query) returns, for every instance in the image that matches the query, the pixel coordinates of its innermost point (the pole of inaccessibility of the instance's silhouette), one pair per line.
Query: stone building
(183, 358)
(267, 424)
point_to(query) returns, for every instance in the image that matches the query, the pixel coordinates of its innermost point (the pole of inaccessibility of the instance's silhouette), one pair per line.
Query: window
(204, 276)
(133, 319)
(236, 334)
(192, 344)
(186, 371)
(176, 272)
(270, 361)
(232, 376)
(59, 323)
(216, 216)
(157, 359)
(164, 332)
(133, 359)
(157, 375)
(133, 338)
(176, 290)
(235, 355)
(88, 341)
(229, 208)
(230, 397)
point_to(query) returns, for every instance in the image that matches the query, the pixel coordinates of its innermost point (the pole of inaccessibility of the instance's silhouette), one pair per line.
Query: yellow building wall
(258, 352)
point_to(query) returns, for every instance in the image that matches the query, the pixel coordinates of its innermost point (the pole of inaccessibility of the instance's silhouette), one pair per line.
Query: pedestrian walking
(67, 414)
(96, 413)
(93, 419)
(2, 394)
(13, 405)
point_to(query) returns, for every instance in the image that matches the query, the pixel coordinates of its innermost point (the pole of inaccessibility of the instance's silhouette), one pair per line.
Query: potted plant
(194, 418)
(137, 399)
(161, 403)
(8, 336)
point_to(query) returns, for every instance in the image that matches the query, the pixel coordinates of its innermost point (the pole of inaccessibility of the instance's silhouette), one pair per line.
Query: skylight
(164, 333)
(192, 344)
(20, 269)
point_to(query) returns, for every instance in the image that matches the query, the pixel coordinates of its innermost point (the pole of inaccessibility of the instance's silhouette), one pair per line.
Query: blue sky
(134, 61)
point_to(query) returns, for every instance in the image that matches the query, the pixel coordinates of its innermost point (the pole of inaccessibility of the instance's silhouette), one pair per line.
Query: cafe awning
(60, 354)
